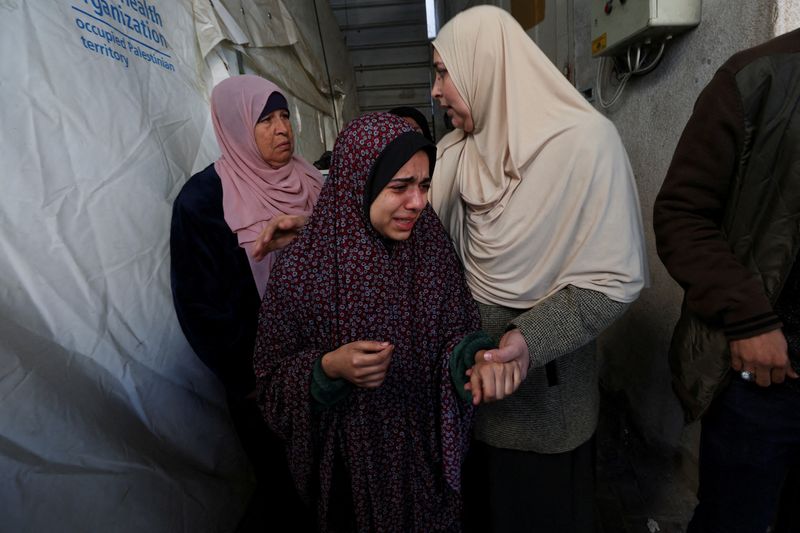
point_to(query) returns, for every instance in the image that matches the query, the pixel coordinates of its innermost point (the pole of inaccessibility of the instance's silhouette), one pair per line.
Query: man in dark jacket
(727, 223)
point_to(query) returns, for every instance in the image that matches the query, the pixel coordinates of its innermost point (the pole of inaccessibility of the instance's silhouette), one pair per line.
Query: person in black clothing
(228, 222)
(726, 228)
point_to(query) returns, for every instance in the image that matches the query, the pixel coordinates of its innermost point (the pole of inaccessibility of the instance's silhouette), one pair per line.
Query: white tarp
(108, 422)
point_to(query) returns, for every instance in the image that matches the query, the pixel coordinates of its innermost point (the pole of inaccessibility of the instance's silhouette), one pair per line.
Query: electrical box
(617, 24)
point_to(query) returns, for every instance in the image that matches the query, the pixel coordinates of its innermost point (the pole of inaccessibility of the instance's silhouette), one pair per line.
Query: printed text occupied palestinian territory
(121, 29)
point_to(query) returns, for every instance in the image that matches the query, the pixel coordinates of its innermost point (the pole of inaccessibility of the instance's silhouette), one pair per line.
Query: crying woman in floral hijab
(366, 343)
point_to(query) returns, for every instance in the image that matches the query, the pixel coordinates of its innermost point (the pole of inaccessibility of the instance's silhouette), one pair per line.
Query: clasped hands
(497, 373)
(362, 363)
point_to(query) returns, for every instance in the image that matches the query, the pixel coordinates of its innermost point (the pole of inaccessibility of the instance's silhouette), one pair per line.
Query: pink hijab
(252, 191)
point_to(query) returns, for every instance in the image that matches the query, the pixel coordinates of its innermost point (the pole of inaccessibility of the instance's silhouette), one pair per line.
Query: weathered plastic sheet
(298, 47)
(108, 422)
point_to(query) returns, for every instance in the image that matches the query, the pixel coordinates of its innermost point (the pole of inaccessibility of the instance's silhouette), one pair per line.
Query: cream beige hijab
(541, 194)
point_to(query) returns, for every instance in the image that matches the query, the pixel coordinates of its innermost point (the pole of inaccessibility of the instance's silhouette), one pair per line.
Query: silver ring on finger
(748, 375)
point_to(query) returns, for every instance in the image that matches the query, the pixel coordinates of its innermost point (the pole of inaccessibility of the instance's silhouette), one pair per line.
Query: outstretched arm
(277, 234)
(558, 325)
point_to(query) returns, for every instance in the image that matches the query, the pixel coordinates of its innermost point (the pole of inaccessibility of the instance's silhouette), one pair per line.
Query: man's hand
(765, 355)
(278, 232)
(362, 363)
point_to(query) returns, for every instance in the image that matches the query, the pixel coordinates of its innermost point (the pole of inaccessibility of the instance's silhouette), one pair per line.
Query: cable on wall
(638, 60)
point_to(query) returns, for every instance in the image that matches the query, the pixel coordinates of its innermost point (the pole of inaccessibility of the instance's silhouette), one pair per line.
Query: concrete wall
(650, 118)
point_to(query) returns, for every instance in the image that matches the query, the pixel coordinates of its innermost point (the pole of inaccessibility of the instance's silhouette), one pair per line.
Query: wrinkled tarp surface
(108, 422)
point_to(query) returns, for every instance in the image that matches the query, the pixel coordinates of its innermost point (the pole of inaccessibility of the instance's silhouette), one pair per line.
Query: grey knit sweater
(539, 417)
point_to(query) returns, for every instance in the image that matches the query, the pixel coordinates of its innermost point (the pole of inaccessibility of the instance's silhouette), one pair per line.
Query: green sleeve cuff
(326, 391)
(463, 357)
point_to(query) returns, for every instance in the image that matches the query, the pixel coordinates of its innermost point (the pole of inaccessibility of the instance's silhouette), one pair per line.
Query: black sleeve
(689, 209)
(213, 290)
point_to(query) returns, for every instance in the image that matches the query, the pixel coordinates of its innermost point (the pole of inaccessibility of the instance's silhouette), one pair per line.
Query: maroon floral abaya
(393, 454)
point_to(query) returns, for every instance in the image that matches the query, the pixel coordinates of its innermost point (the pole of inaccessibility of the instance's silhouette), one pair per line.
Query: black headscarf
(275, 101)
(392, 158)
(418, 117)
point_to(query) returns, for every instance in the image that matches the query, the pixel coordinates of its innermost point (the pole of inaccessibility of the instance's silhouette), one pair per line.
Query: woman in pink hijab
(226, 232)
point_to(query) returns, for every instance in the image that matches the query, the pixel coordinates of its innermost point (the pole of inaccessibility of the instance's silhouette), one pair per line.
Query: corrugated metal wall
(390, 52)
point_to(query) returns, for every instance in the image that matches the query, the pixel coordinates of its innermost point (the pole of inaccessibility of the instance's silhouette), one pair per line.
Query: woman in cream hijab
(535, 188)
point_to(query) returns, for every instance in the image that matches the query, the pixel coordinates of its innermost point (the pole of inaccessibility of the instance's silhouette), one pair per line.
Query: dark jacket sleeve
(689, 210)
(213, 290)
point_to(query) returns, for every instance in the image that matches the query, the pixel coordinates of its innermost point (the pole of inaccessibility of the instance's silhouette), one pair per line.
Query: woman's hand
(512, 348)
(490, 381)
(278, 233)
(362, 363)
